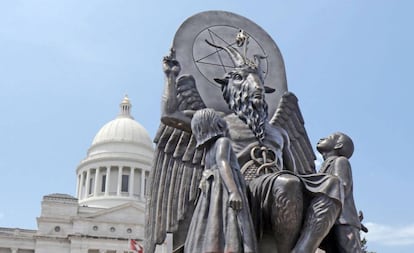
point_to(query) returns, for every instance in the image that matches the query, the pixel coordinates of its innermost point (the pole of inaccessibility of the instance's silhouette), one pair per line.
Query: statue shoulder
(342, 168)
(342, 162)
(277, 130)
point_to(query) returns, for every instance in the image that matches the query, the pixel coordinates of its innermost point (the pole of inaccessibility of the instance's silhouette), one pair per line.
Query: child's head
(207, 125)
(339, 142)
(347, 145)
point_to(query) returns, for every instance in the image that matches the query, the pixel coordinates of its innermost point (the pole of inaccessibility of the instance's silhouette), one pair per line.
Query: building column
(131, 182)
(14, 250)
(82, 177)
(79, 186)
(118, 192)
(108, 172)
(88, 176)
(95, 187)
(142, 195)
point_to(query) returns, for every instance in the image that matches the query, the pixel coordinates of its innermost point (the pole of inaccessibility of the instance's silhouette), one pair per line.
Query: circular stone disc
(206, 62)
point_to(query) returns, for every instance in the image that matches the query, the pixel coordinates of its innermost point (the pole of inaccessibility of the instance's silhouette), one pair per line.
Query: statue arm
(288, 158)
(223, 153)
(170, 114)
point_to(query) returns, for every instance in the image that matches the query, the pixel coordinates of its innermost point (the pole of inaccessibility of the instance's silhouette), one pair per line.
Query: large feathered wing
(289, 117)
(175, 176)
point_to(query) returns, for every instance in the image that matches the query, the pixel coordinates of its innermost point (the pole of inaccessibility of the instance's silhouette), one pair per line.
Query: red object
(136, 246)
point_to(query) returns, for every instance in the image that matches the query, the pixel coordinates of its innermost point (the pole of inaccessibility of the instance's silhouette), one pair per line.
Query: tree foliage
(364, 246)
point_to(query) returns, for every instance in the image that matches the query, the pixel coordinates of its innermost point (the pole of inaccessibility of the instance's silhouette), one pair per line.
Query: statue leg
(321, 216)
(286, 211)
(348, 239)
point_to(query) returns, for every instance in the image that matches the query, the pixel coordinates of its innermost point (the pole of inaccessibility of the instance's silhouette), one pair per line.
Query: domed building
(118, 163)
(107, 214)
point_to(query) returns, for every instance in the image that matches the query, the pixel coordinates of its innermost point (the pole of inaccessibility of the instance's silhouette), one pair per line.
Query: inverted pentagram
(205, 62)
(216, 62)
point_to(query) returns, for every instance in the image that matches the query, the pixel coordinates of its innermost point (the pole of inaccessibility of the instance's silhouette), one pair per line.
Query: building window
(90, 185)
(103, 187)
(125, 183)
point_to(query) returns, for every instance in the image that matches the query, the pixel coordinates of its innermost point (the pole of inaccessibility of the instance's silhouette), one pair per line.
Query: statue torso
(348, 214)
(243, 139)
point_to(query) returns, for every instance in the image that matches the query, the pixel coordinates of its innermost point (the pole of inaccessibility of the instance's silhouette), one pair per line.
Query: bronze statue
(344, 237)
(292, 207)
(221, 221)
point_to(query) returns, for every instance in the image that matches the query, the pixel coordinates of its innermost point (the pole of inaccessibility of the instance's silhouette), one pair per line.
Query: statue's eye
(237, 77)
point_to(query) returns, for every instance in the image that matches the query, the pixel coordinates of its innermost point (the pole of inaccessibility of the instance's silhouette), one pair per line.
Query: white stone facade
(109, 208)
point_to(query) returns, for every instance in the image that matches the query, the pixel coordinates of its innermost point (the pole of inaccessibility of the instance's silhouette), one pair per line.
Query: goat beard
(251, 111)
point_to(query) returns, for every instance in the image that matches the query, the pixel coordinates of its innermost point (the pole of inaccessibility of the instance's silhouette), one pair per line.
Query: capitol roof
(123, 129)
(121, 135)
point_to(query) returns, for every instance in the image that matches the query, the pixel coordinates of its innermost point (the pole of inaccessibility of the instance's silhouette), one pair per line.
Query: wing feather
(182, 145)
(191, 148)
(170, 194)
(184, 194)
(289, 117)
(172, 142)
(174, 198)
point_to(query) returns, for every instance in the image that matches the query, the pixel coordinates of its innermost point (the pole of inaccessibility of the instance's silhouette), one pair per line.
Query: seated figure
(295, 210)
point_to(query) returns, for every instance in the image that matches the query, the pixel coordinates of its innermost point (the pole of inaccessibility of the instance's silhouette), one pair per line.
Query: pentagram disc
(206, 62)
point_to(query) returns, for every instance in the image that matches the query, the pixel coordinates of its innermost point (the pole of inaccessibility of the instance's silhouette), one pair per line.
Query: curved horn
(235, 55)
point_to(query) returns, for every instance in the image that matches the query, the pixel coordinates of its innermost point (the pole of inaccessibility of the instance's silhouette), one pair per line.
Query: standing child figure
(221, 221)
(344, 236)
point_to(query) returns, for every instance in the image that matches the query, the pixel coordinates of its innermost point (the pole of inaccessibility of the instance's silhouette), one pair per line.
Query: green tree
(364, 246)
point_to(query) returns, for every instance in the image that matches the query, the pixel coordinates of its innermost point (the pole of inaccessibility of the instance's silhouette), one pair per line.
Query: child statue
(344, 237)
(221, 221)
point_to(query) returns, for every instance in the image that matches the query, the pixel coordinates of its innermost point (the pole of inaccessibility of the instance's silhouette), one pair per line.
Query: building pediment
(131, 213)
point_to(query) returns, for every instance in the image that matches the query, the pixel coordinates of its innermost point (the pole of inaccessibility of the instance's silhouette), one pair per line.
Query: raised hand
(170, 65)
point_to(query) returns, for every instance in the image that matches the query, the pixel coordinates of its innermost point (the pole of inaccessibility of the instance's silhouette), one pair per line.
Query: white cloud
(390, 235)
(318, 161)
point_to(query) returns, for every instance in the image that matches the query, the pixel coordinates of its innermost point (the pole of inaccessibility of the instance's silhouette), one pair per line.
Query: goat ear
(222, 81)
(269, 90)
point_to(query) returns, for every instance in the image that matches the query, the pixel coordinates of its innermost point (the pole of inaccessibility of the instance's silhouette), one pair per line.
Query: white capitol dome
(117, 164)
(123, 129)
(123, 134)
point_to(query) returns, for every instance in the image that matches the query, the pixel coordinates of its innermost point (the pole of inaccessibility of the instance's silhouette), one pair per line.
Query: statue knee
(288, 193)
(289, 183)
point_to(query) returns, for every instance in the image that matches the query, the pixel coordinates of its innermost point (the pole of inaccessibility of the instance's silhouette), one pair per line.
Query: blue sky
(66, 65)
